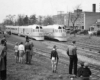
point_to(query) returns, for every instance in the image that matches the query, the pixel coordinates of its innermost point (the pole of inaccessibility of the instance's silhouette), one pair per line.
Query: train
(32, 31)
(39, 32)
(55, 31)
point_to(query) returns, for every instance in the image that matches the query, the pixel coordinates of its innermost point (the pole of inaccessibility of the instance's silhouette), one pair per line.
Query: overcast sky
(43, 7)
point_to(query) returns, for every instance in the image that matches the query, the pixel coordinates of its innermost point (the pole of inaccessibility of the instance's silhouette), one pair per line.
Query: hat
(54, 46)
(85, 64)
(21, 43)
(82, 63)
(73, 42)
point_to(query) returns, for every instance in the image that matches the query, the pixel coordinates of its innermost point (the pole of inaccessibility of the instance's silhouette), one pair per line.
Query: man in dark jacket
(27, 51)
(31, 52)
(27, 38)
(3, 62)
(72, 53)
(54, 59)
(86, 72)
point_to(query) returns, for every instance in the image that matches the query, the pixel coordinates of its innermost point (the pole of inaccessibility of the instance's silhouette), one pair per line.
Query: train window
(59, 27)
(40, 27)
(56, 30)
(53, 30)
(37, 27)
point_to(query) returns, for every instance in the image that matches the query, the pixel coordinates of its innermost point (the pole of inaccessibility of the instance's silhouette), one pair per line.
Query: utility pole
(60, 17)
(68, 18)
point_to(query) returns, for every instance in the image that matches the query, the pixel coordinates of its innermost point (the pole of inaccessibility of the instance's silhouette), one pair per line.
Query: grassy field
(40, 68)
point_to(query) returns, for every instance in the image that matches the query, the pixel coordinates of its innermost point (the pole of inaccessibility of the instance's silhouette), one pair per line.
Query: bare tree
(9, 20)
(74, 16)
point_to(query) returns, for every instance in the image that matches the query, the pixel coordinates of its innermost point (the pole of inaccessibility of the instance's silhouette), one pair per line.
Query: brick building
(85, 20)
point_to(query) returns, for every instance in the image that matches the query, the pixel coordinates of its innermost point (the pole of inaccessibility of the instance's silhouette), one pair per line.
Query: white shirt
(21, 47)
(16, 48)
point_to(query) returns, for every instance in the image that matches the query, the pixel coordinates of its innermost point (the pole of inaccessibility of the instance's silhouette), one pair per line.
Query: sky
(43, 7)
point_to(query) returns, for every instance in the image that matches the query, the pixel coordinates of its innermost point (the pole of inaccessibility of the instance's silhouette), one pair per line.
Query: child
(16, 52)
(21, 49)
(54, 59)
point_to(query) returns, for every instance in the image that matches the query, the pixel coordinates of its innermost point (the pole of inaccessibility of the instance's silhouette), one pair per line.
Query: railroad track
(95, 69)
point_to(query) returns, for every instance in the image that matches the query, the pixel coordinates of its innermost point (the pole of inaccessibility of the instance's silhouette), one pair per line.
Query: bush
(83, 32)
(75, 31)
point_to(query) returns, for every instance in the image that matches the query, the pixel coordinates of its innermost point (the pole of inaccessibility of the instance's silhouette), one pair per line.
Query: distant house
(86, 20)
(90, 18)
(95, 26)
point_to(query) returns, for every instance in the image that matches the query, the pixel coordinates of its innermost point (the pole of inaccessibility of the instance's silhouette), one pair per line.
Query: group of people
(84, 72)
(27, 49)
(24, 49)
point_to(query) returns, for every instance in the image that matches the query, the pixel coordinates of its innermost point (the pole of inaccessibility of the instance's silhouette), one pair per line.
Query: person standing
(4, 41)
(54, 59)
(3, 62)
(72, 53)
(31, 52)
(27, 38)
(16, 52)
(27, 52)
(21, 50)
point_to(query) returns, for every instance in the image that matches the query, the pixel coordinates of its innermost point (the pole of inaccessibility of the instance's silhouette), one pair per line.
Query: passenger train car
(55, 32)
(33, 31)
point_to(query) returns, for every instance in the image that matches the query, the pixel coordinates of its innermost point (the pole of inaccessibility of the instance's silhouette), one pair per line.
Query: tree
(20, 20)
(74, 16)
(26, 20)
(9, 20)
(32, 19)
(48, 21)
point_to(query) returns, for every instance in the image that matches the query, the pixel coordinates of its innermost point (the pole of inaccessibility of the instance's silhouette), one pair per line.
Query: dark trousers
(3, 75)
(85, 78)
(28, 57)
(73, 65)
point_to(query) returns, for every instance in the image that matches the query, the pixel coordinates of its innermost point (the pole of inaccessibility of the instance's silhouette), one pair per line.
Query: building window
(37, 27)
(82, 27)
(59, 27)
(98, 26)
